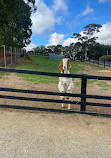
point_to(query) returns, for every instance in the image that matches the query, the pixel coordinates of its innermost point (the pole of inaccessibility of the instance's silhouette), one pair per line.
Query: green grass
(103, 85)
(39, 63)
(42, 63)
(94, 67)
(90, 81)
(4, 75)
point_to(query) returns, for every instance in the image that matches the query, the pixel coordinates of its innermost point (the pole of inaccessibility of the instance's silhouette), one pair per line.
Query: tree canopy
(15, 22)
(87, 38)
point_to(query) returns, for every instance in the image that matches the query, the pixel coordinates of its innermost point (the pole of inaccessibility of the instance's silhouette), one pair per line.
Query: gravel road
(26, 134)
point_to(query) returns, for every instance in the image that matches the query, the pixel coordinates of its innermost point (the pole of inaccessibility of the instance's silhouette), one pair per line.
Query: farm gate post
(83, 92)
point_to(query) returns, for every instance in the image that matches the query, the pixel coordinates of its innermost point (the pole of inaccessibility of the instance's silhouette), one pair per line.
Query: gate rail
(83, 94)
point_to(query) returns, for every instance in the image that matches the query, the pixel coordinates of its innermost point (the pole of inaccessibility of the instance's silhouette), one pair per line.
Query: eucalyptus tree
(87, 37)
(40, 49)
(51, 48)
(57, 49)
(75, 48)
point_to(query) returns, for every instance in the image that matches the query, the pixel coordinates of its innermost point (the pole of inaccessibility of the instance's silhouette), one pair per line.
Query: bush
(105, 57)
(25, 56)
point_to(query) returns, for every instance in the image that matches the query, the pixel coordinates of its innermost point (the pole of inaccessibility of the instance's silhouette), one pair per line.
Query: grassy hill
(42, 63)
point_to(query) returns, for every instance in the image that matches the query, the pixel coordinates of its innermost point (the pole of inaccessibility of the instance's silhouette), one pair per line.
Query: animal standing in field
(65, 83)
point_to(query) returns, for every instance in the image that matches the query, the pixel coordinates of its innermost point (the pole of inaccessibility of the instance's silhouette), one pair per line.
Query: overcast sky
(56, 20)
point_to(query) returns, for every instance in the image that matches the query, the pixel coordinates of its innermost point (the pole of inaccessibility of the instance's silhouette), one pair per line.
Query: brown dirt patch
(43, 135)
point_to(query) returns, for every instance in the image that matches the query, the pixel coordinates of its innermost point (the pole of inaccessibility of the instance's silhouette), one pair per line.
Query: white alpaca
(65, 83)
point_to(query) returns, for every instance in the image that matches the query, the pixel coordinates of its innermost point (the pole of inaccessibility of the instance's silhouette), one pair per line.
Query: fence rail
(83, 103)
(105, 64)
(38, 53)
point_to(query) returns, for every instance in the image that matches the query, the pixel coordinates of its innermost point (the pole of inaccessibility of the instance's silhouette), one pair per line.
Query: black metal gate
(83, 103)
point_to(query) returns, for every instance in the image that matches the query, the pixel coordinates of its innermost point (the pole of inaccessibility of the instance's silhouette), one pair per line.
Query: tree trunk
(86, 50)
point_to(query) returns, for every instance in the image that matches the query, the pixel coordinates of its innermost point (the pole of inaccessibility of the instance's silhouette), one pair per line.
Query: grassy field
(42, 63)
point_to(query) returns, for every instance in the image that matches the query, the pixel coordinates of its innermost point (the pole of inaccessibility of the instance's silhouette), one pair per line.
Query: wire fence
(105, 64)
(39, 53)
(9, 55)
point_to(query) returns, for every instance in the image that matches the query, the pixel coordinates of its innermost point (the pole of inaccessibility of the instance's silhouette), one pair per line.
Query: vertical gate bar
(83, 91)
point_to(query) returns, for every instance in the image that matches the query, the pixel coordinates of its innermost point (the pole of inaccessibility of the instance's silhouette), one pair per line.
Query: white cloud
(87, 11)
(59, 5)
(43, 19)
(68, 41)
(56, 39)
(59, 20)
(104, 36)
(103, 1)
(30, 46)
(46, 17)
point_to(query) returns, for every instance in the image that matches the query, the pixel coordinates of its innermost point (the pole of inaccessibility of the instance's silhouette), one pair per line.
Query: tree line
(15, 22)
(85, 47)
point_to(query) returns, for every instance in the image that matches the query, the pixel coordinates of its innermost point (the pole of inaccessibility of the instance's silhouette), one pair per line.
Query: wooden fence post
(5, 63)
(15, 53)
(11, 54)
(104, 63)
(98, 62)
(83, 91)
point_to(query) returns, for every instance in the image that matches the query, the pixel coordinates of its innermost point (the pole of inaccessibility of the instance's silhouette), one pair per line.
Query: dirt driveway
(26, 134)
